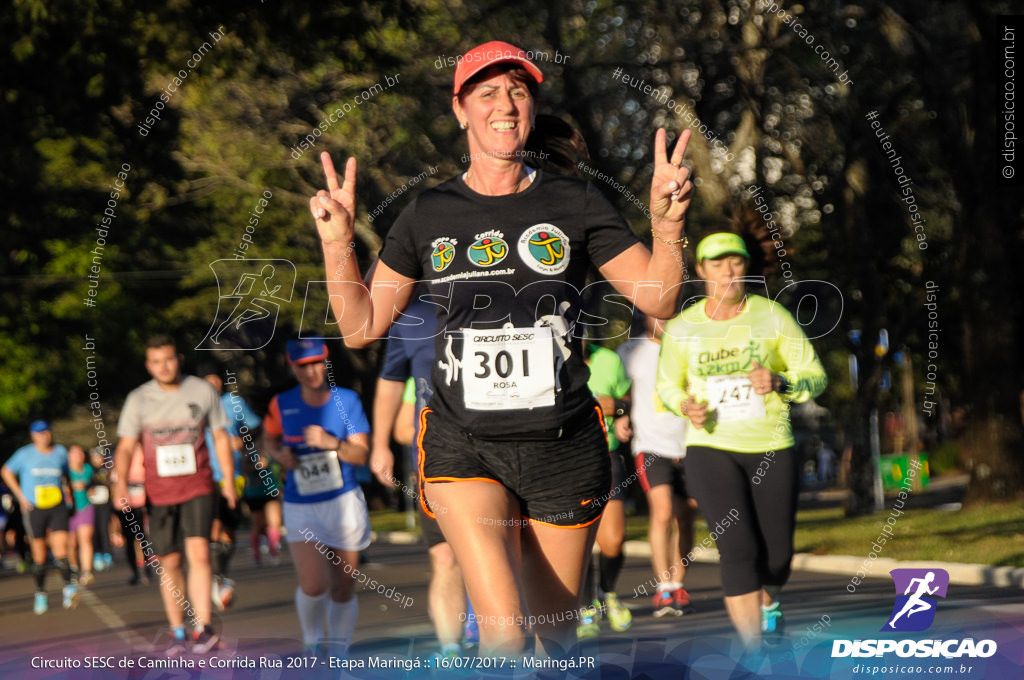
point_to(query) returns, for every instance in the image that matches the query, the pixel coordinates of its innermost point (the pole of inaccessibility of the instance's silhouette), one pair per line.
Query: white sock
(311, 616)
(341, 621)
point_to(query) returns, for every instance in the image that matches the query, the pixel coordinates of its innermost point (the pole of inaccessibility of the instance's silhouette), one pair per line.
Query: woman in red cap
(512, 449)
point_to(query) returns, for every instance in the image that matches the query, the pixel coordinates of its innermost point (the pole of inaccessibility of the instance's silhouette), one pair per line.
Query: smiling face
(499, 110)
(720, 276)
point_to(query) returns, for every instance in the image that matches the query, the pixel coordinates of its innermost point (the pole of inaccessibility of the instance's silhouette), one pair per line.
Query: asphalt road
(121, 622)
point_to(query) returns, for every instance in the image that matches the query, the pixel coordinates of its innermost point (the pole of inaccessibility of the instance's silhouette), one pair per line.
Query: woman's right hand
(334, 210)
(696, 411)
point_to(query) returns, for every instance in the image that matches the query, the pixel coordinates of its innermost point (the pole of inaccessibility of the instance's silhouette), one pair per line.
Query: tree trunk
(990, 225)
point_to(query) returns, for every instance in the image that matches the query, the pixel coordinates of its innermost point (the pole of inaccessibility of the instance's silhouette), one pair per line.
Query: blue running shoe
(71, 596)
(771, 619)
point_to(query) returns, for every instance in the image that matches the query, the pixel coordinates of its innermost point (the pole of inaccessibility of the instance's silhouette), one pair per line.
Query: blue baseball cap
(39, 426)
(306, 351)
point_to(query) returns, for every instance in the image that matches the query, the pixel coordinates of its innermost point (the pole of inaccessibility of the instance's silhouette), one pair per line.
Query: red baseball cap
(488, 54)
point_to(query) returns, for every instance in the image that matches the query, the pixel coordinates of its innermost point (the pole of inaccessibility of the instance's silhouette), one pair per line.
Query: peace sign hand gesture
(334, 212)
(671, 188)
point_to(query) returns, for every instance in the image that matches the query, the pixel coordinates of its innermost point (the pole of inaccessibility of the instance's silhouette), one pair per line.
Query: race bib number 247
(733, 397)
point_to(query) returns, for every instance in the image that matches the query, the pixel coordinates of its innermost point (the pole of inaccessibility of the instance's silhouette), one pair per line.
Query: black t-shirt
(505, 276)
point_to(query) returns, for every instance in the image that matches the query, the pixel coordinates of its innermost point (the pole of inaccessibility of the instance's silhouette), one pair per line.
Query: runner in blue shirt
(319, 434)
(226, 519)
(37, 475)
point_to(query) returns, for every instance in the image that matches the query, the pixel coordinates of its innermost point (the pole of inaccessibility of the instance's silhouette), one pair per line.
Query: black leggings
(101, 538)
(751, 515)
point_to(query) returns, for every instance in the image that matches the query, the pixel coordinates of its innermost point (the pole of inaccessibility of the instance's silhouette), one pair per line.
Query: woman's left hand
(671, 188)
(763, 380)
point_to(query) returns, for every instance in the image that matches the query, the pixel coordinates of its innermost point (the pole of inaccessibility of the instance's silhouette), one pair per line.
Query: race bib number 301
(733, 397)
(508, 368)
(175, 460)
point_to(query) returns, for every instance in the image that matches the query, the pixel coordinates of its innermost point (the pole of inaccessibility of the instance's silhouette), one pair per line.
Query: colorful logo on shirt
(443, 253)
(545, 249)
(488, 250)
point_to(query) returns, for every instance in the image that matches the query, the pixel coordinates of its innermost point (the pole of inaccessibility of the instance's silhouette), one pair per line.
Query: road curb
(959, 573)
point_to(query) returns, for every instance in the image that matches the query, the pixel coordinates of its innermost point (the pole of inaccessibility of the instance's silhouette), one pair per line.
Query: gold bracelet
(685, 241)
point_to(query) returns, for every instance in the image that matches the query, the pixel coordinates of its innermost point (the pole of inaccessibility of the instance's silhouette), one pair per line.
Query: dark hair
(515, 72)
(556, 145)
(161, 340)
(209, 368)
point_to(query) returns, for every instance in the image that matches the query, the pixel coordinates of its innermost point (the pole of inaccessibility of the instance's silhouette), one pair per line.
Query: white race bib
(98, 495)
(508, 368)
(733, 398)
(318, 472)
(175, 460)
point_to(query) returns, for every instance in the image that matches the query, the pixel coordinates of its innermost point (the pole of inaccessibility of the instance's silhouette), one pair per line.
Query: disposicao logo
(914, 611)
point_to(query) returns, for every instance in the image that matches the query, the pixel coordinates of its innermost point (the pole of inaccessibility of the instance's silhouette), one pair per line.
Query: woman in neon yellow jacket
(733, 363)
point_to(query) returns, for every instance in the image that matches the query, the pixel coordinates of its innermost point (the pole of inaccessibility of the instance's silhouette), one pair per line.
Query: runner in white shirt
(658, 445)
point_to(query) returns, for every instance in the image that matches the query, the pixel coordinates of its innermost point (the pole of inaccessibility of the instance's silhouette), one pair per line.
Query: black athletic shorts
(619, 483)
(257, 503)
(431, 529)
(170, 525)
(38, 521)
(563, 481)
(229, 517)
(655, 470)
(432, 533)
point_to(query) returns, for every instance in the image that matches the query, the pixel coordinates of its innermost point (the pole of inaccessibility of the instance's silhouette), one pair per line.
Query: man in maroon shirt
(169, 415)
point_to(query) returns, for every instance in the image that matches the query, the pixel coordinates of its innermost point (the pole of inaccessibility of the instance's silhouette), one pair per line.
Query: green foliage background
(79, 76)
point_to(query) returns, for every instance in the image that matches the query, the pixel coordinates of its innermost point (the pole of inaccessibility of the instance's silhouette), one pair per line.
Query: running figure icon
(250, 307)
(915, 604)
(260, 288)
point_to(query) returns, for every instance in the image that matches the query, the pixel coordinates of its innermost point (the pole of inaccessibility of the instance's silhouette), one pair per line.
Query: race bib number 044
(318, 472)
(508, 368)
(733, 397)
